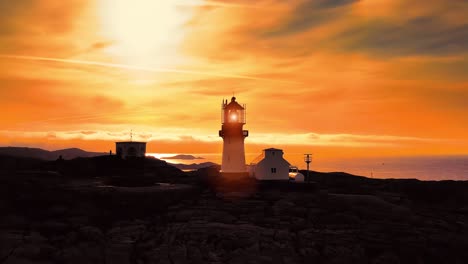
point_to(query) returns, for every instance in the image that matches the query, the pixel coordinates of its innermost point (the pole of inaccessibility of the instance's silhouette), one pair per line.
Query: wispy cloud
(132, 67)
(177, 135)
(426, 35)
(309, 14)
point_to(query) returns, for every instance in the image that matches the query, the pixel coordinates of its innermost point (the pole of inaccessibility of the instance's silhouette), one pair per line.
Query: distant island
(183, 157)
(194, 166)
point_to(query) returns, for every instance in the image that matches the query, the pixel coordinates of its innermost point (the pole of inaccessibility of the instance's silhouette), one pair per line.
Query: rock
(91, 233)
(178, 255)
(386, 258)
(183, 216)
(369, 206)
(309, 253)
(34, 248)
(71, 238)
(343, 219)
(71, 255)
(221, 217)
(9, 240)
(127, 233)
(27, 251)
(118, 254)
(78, 221)
(52, 227)
(83, 253)
(194, 254)
(57, 211)
(282, 235)
(47, 252)
(298, 211)
(282, 207)
(13, 221)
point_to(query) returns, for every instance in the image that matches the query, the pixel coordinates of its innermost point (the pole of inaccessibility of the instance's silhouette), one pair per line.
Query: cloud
(35, 103)
(308, 14)
(133, 67)
(225, 4)
(341, 140)
(10, 11)
(40, 26)
(427, 35)
(88, 132)
(186, 136)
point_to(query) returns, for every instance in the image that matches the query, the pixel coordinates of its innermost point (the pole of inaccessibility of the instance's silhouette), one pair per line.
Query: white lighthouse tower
(233, 118)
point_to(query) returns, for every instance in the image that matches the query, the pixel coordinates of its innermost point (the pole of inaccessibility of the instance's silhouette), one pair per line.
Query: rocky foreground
(337, 219)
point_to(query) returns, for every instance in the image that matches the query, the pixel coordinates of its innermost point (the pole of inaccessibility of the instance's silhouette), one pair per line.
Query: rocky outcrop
(298, 228)
(58, 221)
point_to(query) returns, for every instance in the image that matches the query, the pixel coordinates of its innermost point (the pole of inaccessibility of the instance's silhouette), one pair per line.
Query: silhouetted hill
(42, 154)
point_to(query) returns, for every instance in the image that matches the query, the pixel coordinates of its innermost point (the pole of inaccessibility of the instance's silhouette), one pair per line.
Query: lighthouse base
(232, 185)
(234, 175)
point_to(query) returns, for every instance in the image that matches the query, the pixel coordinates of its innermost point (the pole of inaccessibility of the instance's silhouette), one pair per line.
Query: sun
(145, 32)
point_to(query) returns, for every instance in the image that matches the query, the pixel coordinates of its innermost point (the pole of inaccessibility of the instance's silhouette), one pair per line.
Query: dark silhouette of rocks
(65, 211)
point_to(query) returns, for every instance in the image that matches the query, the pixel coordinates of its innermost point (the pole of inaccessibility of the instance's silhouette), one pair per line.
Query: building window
(273, 153)
(273, 170)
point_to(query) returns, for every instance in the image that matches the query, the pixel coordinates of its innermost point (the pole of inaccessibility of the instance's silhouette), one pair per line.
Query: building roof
(262, 156)
(234, 105)
(272, 149)
(130, 142)
(257, 159)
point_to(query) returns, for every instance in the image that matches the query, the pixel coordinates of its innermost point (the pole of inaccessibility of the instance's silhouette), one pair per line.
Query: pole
(307, 159)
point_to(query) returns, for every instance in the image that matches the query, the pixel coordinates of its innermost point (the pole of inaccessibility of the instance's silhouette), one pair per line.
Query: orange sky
(334, 78)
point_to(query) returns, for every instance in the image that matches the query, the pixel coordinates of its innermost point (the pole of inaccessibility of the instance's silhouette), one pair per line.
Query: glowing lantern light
(233, 117)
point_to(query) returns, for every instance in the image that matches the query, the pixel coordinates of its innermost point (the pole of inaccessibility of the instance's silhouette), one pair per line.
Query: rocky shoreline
(339, 218)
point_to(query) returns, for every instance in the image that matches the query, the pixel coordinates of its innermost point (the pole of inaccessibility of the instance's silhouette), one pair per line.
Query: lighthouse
(233, 118)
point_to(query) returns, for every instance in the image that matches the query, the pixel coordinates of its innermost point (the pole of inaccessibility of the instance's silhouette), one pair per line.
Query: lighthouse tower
(233, 118)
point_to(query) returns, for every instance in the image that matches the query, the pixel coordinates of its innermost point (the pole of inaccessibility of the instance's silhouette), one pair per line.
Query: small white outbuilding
(270, 165)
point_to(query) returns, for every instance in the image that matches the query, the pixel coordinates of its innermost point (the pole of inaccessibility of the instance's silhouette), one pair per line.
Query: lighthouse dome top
(234, 105)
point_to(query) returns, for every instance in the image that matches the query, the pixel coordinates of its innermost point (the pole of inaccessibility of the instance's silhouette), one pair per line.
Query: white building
(130, 149)
(270, 165)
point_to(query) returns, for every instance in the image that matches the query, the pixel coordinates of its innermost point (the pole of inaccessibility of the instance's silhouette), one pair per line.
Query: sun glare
(145, 32)
(233, 117)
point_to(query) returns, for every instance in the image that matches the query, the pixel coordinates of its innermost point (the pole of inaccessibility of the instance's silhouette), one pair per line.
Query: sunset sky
(333, 78)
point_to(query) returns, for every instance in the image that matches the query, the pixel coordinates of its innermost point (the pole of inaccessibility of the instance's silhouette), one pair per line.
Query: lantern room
(233, 113)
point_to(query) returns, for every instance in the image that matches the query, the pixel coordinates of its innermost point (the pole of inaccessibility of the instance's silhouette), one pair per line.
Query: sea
(415, 167)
